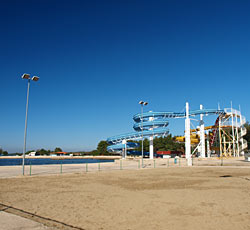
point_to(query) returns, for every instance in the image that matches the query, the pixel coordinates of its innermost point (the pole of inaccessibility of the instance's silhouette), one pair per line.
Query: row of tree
(2, 152)
(167, 143)
(44, 152)
(160, 144)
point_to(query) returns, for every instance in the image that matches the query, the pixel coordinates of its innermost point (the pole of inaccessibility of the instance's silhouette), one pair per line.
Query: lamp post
(34, 78)
(142, 103)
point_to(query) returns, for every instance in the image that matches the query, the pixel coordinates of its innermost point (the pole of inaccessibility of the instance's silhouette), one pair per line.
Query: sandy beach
(170, 198)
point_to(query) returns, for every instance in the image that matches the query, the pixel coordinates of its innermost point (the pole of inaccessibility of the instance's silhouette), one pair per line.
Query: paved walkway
(12, 222)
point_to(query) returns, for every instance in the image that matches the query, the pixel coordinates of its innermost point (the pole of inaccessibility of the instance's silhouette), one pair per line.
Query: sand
(170, 198)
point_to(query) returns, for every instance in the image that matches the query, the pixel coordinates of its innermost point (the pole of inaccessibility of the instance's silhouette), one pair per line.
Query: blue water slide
(120, 146)
(154, 124)
(164, 115)
(151, 127)
(206, 112)
(136, 135)
(150, 124)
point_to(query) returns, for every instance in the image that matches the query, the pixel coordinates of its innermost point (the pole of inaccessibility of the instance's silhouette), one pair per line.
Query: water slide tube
(118, 147)
(154, 124)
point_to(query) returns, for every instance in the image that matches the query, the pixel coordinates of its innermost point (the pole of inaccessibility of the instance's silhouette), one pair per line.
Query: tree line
(44, 152)
(160, 144)
(2, 152)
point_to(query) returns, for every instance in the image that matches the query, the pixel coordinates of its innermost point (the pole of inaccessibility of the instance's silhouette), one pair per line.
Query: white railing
(231, 111)
(243, 120)
(244, 145)
(243, 131)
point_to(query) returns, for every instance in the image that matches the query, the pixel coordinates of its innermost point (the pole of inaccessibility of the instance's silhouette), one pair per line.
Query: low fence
(122, 164)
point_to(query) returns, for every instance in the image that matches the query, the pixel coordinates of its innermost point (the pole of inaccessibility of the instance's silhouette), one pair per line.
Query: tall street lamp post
(142, 103)
(34, 78)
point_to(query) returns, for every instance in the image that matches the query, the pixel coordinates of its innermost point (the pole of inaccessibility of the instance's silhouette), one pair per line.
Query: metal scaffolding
(231, 132)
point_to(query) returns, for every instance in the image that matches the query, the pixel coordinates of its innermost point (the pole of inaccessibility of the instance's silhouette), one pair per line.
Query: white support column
(233, 135)
(237, 136)
(241, 131)
(151, 147)
(202, 135)
(125, 149)
(187, 137)
(198, 147)
(220, 139)
(208, 145)
(151, 142)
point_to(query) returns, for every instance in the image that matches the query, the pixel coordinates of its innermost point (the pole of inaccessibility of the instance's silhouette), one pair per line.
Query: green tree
(5, 153)
(167, 144)
(94, 153)
(102, 147)
(42, 152)
(159, 144)
(57, 149)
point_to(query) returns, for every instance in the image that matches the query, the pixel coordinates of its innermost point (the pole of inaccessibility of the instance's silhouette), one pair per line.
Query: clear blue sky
(97, 59)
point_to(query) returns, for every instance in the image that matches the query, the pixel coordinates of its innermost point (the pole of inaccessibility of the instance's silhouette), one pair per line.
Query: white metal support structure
(187, 137)
(233, 129)
(202, 135)
(220, 137)
(243, 132)
(124, 154)
(237, 136)
(151, 143)
(151, 147)
(208, 146)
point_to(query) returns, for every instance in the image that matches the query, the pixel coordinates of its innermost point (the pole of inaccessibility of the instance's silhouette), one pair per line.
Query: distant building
(59, 153)
(169, 154)
(32, 154)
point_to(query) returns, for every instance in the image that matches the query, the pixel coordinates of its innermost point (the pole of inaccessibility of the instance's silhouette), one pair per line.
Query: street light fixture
(26, 76)
(34, 78)
(142, 103)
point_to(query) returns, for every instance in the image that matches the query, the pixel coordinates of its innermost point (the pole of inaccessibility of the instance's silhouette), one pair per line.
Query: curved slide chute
(154, 124)
(120, 146)
(148, 125)
(165, 115)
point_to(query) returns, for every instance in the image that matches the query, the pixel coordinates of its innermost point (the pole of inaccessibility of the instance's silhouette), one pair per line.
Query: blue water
(48, 161)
